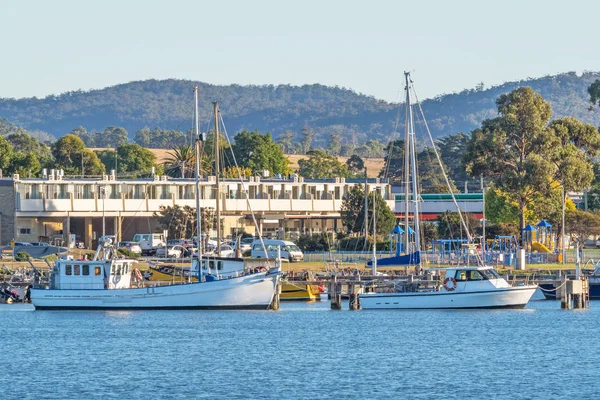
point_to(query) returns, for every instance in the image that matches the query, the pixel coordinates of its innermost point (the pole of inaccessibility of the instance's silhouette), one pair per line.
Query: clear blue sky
(49, 47)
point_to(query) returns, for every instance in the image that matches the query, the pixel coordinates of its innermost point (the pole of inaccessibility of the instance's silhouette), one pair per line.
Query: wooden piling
(336, 295)
(276, 302)
(353, 292)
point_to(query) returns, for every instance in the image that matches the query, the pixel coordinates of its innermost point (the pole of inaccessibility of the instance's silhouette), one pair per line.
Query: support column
(87, 232)
(260, 225)
(67, 230)
(117, 225)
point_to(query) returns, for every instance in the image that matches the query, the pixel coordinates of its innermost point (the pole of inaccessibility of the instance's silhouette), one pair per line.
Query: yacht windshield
(490, 274)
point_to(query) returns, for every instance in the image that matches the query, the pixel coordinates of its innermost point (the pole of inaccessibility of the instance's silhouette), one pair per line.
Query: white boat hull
(253, 291)
(510, 297)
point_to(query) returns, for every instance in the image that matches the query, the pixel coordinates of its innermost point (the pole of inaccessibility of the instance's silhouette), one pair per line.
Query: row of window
(84, 269)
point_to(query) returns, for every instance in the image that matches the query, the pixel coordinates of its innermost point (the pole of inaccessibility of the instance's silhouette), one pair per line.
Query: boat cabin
(86, 274)
(472, 278)
(225, 267)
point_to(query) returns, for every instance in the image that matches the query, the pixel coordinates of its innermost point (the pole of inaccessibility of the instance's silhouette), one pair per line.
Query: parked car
(226, 251)
(171, 251)
(149, 242)
(245, 244)
(134, 247)
(289, 250)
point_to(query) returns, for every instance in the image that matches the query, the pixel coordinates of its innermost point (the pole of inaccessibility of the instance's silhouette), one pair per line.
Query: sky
(51, 47)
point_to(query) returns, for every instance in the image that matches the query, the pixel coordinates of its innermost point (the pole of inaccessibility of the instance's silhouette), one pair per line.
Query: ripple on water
(301, 351)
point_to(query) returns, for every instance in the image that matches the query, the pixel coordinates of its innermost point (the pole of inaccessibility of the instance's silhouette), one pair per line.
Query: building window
(24, 231)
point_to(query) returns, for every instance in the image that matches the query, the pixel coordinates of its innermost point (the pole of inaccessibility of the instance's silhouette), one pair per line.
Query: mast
(407, 166)
(374, 265)
(197, 139)
(413, 156)
(366, 222)
(217, 173)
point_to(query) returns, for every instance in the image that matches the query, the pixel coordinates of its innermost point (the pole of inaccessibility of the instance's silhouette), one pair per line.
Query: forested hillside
(354, 117)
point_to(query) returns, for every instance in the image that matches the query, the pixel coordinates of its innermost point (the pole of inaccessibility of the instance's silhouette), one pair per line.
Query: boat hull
(299, 292)
(513, 297)
(253, 291)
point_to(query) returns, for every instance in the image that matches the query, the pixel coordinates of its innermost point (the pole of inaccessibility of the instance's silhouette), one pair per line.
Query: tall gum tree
(510, 149)
(524, 155)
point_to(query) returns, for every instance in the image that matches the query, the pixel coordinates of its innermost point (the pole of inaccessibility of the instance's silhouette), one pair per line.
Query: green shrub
(315, 242)
(22, 256)
(127, 253)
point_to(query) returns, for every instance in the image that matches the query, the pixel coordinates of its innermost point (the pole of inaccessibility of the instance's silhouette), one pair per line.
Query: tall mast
(413, 157)
(197, 139)
(366, 222)
(217, 173)
(407, 166)
(374, 265)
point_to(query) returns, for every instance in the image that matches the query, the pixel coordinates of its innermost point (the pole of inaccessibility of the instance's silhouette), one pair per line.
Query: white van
(149, 242)
(289, 250)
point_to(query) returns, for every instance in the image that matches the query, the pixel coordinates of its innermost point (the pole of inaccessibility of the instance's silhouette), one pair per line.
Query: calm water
(303, 351)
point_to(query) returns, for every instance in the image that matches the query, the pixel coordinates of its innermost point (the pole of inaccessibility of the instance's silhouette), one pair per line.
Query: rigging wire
(239, 172)
(460, 214)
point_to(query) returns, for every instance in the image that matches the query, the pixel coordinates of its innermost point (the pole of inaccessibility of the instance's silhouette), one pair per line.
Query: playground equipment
(449, 251)
(396, 242)
(503, 250)
(538, 242)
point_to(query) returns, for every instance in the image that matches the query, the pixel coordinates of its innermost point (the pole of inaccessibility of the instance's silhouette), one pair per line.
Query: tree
(581, 225)
(353, 211)
(452, 148)
(575, 146)
(499, 208)
(26, 164)
(158, 138)
(429, 231)
(393, 167)
(142, 137)
(594, 92)
(430, 177)
(335, 143)
(83, 134)
(6, 154)
(449, 225)
(179, 221)
(71, 155)
(308, 134)
(321, 165)
(130, 159)
(135, 159)
(286, 142)
(355, 164)
(315, 242)
(511, 148)
(259, 152)
(112, 137)
(180, 162)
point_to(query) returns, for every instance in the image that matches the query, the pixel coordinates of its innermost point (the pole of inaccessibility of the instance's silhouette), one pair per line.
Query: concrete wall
(7, 211)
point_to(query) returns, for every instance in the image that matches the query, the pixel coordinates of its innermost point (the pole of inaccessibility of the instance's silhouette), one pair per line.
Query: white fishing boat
(462, 287)
(109, 282)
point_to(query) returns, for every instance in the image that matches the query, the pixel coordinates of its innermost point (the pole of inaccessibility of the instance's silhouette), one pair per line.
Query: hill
(168, 104)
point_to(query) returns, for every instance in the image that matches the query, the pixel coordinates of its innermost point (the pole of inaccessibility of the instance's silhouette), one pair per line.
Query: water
(303, 351)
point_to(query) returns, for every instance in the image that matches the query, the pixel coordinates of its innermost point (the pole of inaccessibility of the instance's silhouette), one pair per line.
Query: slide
(537, 246)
